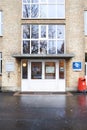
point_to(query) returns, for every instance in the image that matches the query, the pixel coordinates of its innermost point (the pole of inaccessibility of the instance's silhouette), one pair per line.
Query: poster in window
(50, 69)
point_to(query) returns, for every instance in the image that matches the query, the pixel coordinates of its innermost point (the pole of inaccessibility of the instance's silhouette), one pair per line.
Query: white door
(43, 75)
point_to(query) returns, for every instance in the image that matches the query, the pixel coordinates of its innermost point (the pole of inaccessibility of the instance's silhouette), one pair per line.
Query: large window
(43, 8)
(43, 39)
(0, 23)
(0, 63)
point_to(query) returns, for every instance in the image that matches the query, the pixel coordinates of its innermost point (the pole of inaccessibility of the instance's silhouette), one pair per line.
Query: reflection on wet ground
(43, 112)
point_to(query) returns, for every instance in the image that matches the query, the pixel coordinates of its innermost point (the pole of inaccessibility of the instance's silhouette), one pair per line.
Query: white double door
(45, 76)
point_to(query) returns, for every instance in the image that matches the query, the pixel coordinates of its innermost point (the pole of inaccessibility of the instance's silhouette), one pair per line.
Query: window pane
(26, 47)
(52, 31)
(43, 11)
(36, 70)
(52, 1)
(61, 11)
(50, 70)
(61, 69)
(34, 47)
(52, 47)
(24, 69)
(52, 9)
(60, 46)
(34, 1)
(43, 31)
(60, 32)
(26, 31)
(61, 1)
(26, 1)
(43, 1)
(26, 11)
(34, 31)
(43, 47)
(34, 11)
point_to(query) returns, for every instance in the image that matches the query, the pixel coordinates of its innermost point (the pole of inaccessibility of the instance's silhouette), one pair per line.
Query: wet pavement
(43, 112)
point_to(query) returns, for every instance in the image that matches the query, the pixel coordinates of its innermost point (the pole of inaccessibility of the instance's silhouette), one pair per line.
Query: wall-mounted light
(24, 64)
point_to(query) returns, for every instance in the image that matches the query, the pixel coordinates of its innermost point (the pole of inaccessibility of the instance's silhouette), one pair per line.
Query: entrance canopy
(43, 56)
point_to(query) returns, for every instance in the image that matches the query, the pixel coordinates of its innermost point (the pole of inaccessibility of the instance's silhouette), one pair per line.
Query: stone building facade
(21, 45)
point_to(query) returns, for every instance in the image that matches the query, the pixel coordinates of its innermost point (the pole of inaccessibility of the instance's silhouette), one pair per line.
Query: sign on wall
(9, 66)
(77, 66)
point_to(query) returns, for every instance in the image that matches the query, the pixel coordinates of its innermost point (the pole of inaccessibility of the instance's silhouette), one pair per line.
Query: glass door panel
(50, 70)
(36, 70)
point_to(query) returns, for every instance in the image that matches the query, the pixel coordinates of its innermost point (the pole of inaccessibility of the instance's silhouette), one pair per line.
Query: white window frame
(60, 15)
(1, 23)
(47, 39)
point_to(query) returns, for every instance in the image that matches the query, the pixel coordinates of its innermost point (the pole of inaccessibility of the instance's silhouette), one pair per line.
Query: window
(0, 63)
(43, 9)
(0, 23)
(85, 22)
(50, 70)
(43, 39)
(36, 70)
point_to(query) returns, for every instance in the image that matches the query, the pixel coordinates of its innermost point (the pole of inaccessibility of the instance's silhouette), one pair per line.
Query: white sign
(50, 70)
(9, 66)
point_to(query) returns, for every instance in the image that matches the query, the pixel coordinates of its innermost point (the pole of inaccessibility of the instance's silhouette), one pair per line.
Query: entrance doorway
(43, 75)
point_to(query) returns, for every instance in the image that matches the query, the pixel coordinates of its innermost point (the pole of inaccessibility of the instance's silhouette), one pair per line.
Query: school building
(43, 45)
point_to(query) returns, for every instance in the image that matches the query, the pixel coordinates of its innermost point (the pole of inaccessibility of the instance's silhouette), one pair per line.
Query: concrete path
(43, 112)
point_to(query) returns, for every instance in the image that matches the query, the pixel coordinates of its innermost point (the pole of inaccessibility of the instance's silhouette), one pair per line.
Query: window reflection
(43, 47)
(52, 31)
(43, 39)
(60, 32)
(43, 31)
(26, 1)
(46, 8)
(34, 47)
(34, 31)
(26, 47)
(26, 32)
(52, 47)
(36, 70)
(34, 1)
(26, 11)
(60, 46)
(34, 11)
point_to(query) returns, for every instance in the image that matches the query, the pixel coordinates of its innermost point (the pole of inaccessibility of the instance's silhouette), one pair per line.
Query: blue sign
(77, 66)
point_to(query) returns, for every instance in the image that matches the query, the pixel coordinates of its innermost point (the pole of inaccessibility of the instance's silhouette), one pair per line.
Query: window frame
(46, 39)
(39, 6)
